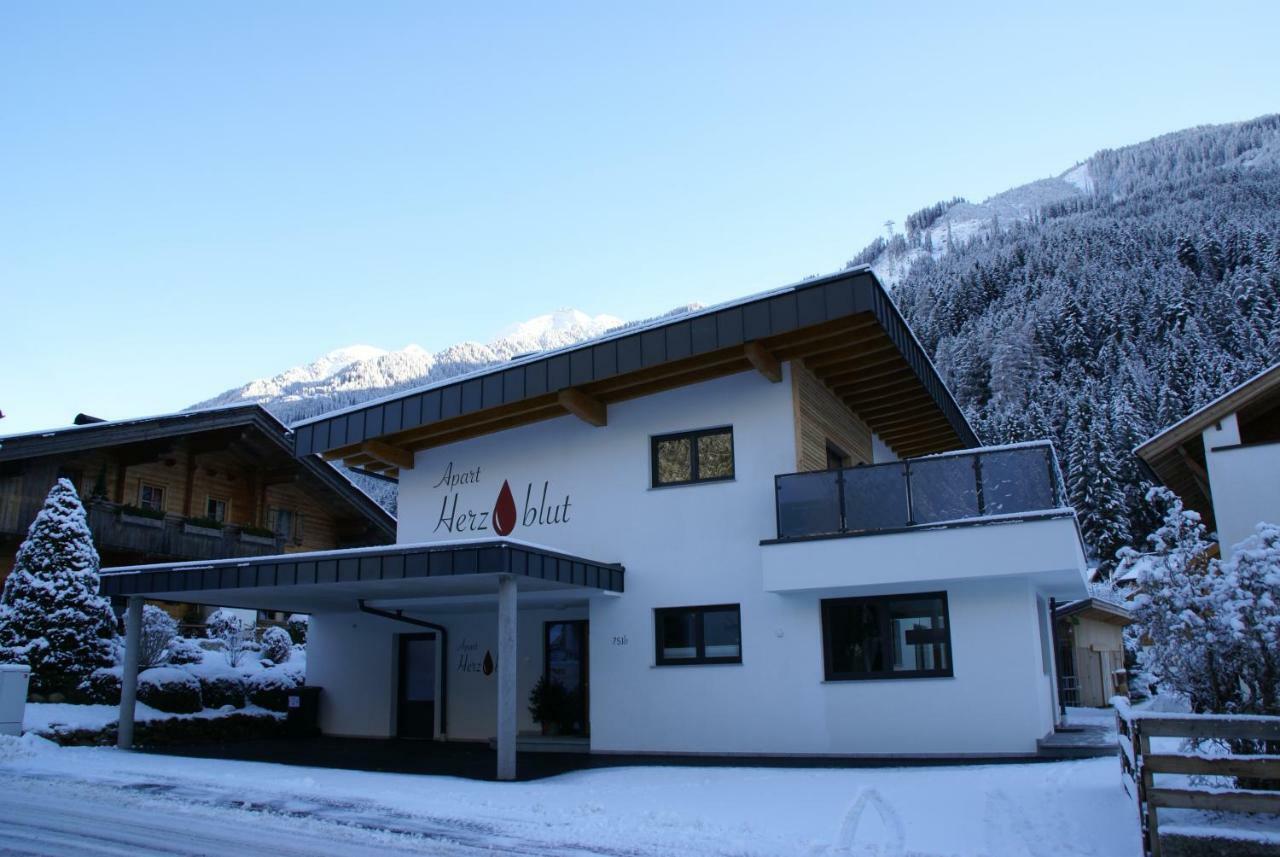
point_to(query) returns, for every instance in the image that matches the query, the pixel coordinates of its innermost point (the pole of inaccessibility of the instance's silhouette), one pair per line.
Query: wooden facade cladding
(823, 418)
(239, 456)
(845, 325)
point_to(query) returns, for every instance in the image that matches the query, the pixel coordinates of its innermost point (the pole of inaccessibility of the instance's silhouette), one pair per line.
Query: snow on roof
(129, 421)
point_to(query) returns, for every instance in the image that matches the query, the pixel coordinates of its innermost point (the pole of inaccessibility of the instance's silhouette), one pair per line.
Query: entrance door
(416, 712)
(565, 662)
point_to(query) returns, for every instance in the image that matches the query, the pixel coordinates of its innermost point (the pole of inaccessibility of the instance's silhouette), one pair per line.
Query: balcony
(935, 491)
(117, 532)
(977, 513)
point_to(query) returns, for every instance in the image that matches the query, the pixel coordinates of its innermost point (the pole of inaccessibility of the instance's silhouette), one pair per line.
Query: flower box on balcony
(257, 539)
(201, 530)
(139, 521)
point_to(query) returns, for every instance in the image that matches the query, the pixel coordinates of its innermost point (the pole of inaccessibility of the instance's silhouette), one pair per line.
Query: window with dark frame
(698, 635)
(151, 497)
(837, 458)
(887, 636)
(215, 509)
(693, 456)
(282, 522)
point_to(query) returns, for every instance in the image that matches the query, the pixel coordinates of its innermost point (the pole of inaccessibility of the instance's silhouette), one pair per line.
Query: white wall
(685, 546)
(1245, 482)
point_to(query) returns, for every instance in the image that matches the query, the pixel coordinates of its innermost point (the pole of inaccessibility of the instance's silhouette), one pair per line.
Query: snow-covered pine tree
(1096, 493)
(51, 615)
(1248, 601)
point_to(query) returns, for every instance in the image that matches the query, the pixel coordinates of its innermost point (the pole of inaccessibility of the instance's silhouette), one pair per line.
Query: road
(56, 816)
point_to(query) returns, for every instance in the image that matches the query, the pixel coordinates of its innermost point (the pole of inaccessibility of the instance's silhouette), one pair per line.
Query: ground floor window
(888, 636)
(699, 635)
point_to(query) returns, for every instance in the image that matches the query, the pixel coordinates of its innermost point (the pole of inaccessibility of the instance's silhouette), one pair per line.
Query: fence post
(1147, 811)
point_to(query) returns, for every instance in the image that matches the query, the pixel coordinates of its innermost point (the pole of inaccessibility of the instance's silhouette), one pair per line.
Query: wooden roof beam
(585, 407)
(845, 376)
(764, 361)
(388, 453)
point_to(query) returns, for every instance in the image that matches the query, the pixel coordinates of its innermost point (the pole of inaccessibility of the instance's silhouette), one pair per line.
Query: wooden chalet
(200, 485)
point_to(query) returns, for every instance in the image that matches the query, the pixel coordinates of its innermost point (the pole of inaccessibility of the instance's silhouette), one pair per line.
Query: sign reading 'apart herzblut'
(539, 509)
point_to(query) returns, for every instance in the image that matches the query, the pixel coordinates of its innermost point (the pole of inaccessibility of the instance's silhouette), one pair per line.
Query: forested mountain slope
(1111, 313)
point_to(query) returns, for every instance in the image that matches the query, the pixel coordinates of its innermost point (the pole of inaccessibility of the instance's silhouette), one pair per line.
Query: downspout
(398, 616)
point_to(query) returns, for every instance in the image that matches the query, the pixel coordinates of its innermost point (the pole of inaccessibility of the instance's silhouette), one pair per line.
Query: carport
(384, 581)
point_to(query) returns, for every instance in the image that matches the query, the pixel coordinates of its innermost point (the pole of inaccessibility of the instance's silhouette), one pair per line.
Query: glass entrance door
(416, 712)
(565, 663)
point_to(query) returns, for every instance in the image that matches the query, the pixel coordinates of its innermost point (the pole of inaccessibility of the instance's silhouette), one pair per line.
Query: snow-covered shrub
(219, 689)
(297, 627)
(1209, 630)
(101, 687)
(228, 629)
(270, 688)
(183, 651)
(169, 689)
(159, 630)
(276, 645)
(51, 615)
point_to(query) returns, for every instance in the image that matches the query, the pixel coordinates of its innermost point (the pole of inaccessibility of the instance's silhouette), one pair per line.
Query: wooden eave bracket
(585, 407)
(764, 361)
(387, 453)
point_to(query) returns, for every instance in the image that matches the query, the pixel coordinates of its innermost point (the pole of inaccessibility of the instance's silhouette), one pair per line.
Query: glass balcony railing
(982, 483)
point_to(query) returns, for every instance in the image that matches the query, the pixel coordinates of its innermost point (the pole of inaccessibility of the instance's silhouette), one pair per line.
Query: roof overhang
(844, 326)
(1095, 608)
(1177, 457)
(335, 581)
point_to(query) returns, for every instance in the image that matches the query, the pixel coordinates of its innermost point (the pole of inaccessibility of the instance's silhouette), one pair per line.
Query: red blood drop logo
(504, 511)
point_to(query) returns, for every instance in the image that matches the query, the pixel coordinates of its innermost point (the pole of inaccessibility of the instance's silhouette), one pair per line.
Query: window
(215, 509)
(837, 458)
(281, 522)
(695, 456)
(151, 497)
(698, 635)
(891, 636)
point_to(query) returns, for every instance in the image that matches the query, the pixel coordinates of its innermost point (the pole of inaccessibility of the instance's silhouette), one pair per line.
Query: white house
(762, 528)
(1224, 459)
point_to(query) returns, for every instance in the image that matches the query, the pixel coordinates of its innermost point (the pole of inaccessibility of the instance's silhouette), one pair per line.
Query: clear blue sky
(196, 194)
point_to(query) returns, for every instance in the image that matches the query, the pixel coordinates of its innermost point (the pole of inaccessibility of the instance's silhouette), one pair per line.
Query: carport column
(507, 664)
(129, 681)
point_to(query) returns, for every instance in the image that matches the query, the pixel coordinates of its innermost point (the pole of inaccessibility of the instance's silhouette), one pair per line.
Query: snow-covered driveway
(100, 801)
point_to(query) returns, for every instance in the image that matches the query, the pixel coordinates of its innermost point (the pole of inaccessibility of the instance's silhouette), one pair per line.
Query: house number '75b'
(620, 640)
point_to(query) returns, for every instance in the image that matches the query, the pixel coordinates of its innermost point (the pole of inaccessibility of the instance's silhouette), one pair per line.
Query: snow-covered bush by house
(101, 687)
(219, 689)
(170, 689)
(159, 630)
(51, 615)
(228, 629)
(1209, 630)
(269, 689)
(297, 627)
(183, 651)
(276, 645)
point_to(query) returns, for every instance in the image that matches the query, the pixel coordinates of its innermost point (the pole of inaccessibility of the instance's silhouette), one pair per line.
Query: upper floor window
(151, 497)
(282, 522)
(215, 509)
(698, 635)
(693, 456)
(887, 636)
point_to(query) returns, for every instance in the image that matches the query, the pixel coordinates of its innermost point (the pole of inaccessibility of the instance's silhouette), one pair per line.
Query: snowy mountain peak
(562, 322)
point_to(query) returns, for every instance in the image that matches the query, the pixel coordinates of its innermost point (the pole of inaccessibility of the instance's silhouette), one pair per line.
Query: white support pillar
(508, 661)
(129, 681)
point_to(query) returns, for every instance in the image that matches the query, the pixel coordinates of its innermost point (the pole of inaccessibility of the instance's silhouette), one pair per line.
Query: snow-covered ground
(102, 801)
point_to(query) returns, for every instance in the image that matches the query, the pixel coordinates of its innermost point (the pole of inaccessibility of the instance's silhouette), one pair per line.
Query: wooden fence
(1140, 765)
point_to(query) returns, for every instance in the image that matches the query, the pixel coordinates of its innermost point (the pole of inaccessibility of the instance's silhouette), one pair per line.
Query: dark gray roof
(784, 310)
(392, 562)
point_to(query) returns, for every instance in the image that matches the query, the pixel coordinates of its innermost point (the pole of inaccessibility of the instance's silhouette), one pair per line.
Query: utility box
(303, 717)
(13, 697)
